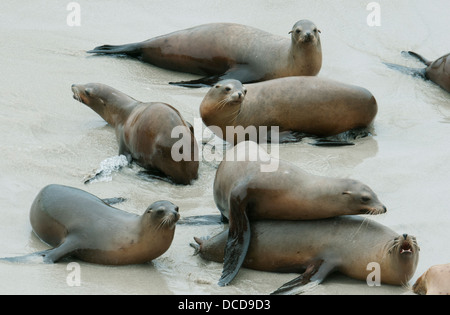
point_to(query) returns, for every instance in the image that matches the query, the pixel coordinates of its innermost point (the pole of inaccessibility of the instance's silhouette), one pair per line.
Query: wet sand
(48, 137)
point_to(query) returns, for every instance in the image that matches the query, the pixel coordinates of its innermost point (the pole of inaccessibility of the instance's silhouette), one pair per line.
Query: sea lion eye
(228, 89)
(245, 91)
(87, 92)
(298, 31)
(365, 199)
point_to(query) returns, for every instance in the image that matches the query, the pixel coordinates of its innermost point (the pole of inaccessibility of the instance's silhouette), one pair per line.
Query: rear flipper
(417, 56)
(238, 239)
(314, 275)
(131, 50)
(417, 72)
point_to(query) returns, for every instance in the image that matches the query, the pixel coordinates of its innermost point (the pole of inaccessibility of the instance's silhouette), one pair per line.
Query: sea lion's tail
(131, 50)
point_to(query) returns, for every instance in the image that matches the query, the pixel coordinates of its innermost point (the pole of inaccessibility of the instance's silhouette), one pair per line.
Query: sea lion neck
(118, 108)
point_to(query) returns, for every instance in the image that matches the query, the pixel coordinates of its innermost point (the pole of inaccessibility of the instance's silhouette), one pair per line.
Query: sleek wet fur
(437, 71)
(296, 105)
(144, 131)
(435, 281)
(243, 194)
(318, 248)
(80, 225)
(229, 51)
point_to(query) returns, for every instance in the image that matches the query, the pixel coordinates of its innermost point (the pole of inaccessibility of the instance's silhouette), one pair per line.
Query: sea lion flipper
(199, 83)
(314, 274)
(238, 238)
(410, 71)
(417, 56)
(34, 258)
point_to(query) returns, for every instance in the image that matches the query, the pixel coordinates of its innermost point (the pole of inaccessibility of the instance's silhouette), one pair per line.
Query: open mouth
(406, 248)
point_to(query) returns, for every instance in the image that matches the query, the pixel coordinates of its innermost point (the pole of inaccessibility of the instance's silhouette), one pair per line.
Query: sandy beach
(50, 138)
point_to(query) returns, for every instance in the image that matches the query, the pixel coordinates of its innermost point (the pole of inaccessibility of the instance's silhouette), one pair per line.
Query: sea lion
(435, 281)
(437, 71)
(243, 193)
(230, 51)
(145, 131)
(80, 225)
(320, 247)
(310, 105)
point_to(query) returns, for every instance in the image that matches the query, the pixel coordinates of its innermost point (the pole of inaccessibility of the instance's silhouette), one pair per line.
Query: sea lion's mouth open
(406, 248)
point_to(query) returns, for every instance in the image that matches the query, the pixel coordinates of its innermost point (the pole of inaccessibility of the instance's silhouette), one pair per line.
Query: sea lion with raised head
(309, 105)
(437, 71)
(230, 51)
(319, 247)
(435, 281)
(244, 191)
(80, 225)
(144, 131)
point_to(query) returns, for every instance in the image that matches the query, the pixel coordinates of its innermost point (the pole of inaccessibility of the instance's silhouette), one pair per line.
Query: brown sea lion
(145, 131)
(435, 281)
(244, 191)
(310, 105)
(230, 51)
(437, 71)
(80, 225)
(320, 247)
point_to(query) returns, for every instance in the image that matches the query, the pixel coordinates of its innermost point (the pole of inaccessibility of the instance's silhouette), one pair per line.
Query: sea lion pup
(251, 185)
(145, 131)
(320, 247)
(230, 51)
(309, 105)
(435, 281)
(437, 71)
(83, 226)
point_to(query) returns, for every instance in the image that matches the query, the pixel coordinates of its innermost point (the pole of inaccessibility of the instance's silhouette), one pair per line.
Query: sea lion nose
(385, 209)
(405, 236)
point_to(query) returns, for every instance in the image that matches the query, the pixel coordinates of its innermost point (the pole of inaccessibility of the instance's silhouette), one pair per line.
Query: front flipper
(284, 137)
(241, 72)
(314, 275)
(199, 83)
(238, 240)
(50, 256)
(114, 201)
(35, 258)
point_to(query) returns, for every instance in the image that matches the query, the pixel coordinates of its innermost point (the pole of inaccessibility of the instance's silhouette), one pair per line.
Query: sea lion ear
(320, 32)
(291, 32)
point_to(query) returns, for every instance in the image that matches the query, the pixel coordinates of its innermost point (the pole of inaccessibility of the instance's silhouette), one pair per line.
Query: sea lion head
(403, 257)
(305, 32)
(223, 100)
(106, 101)
(161, 214)
(229, 91)
(361, 199)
